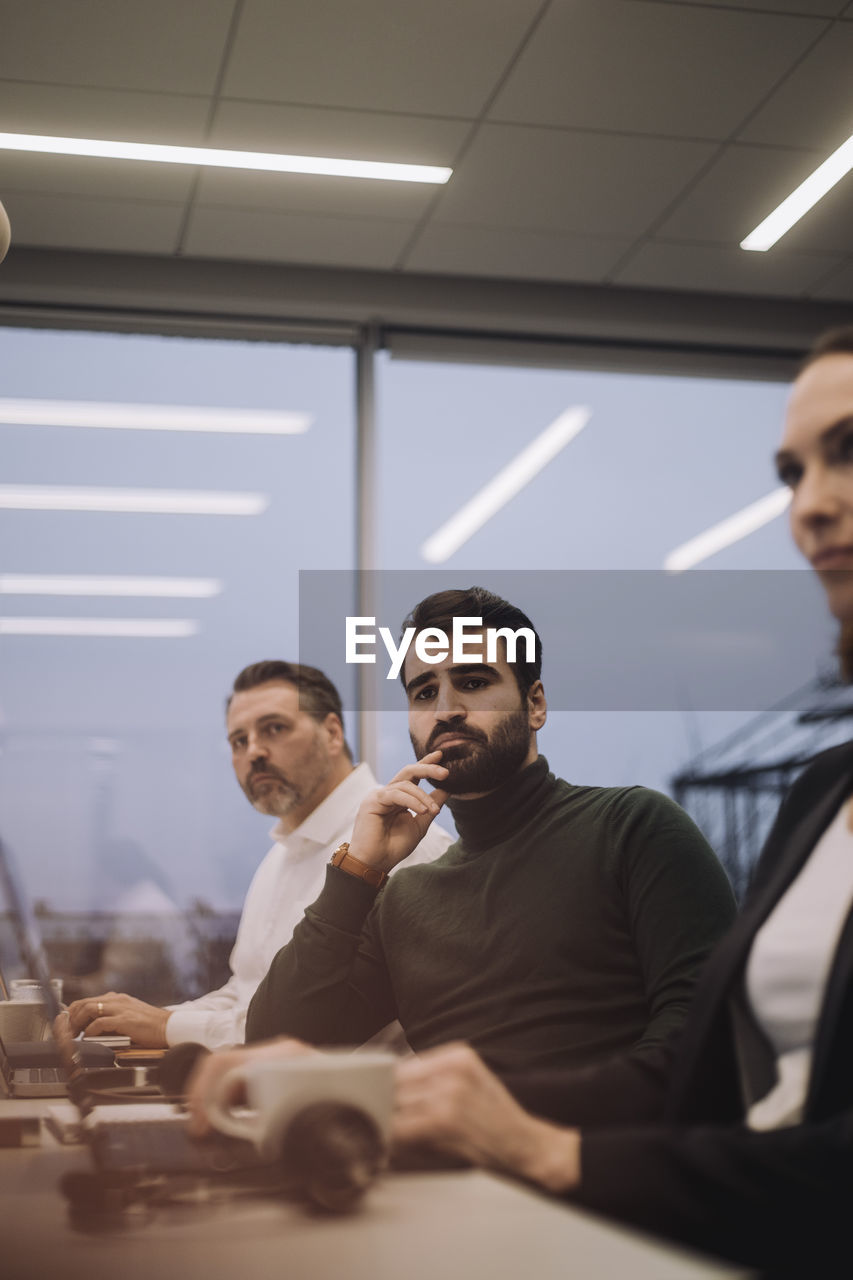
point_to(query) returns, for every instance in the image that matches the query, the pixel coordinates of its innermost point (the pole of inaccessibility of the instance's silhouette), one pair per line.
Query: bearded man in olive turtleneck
(564, 930)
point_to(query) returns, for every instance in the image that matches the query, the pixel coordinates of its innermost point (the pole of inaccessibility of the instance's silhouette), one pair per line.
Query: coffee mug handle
(245, 1124)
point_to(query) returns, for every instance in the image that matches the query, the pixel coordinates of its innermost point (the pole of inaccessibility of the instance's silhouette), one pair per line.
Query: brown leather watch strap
(343, 859)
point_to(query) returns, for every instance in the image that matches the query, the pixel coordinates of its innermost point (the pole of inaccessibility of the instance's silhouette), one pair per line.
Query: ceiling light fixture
(115, 628)
(192, 502)
(267, 161)
(151, 417)
(441, 545)
(65, 584)
(800, 201)
(728, 531)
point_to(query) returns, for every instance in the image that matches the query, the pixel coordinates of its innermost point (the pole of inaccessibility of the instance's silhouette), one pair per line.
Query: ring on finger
(100, 1008)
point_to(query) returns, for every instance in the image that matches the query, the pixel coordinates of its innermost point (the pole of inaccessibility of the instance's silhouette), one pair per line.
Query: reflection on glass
(136, 580)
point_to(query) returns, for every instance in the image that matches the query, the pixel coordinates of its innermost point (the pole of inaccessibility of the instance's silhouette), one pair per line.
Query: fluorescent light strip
(151, 417)
(42, 584)
(441, 545)
(215, 157)
(115, 628)
(194, 502)
(729, 531)
(800, 201)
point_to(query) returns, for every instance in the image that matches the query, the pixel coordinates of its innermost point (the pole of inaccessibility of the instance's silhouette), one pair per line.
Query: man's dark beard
(489, 761)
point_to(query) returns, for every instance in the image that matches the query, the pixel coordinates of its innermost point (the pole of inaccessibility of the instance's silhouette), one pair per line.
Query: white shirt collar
(333, 814)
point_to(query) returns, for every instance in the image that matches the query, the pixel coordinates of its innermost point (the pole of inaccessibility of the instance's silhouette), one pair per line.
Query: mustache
(457, 729)
(266, 771)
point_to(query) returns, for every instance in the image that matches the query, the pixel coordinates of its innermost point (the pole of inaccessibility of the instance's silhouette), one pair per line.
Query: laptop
(29, 1081)
(34, 1069)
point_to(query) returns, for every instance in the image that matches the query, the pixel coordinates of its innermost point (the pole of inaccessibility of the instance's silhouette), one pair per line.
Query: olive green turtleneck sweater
(567, 925)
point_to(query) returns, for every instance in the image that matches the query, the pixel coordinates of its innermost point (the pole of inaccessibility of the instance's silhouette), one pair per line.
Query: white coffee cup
(277, 1090)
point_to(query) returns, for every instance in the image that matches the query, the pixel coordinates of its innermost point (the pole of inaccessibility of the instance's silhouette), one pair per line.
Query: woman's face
(815, 460)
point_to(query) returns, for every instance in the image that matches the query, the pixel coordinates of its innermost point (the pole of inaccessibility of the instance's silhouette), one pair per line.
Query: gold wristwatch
(355, 867)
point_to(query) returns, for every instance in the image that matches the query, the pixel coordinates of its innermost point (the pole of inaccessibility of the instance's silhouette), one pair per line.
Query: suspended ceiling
(602, 150)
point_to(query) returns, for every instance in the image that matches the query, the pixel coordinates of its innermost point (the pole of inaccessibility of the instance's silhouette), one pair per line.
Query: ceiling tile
(717, 269)
(578, 183)
(119, 44)
(313, 131)
(78, 175)
(646, 67)
(303, 238)
(527, 255)
(808, 8)
(61, 110)
(744, 185)
(72, 222)
(303, 193)
(814, 106)
(363, 135)
(440, 58)
(839, 285)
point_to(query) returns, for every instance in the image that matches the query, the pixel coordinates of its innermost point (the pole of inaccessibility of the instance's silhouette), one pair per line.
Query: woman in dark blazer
(772, 1190)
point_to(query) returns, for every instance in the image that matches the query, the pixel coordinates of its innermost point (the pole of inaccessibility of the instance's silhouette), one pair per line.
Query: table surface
(433, 1226)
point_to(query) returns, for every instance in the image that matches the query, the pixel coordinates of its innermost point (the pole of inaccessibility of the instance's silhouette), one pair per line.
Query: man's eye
(475, 682)
(424, 695)
(845, 447)
(238, 744)
(273, 729)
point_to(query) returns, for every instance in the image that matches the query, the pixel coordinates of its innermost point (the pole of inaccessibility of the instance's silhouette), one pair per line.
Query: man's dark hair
(833, 342)
(317, 695)
(440, 609)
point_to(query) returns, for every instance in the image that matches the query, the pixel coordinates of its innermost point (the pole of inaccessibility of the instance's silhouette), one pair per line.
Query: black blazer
(780, 1200)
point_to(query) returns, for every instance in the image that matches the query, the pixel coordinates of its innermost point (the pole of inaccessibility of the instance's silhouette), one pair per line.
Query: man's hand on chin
(116, 1014)
(393, 820)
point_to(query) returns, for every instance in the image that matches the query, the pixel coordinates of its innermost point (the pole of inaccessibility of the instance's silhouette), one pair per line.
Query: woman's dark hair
(833, 342)
(440, 609)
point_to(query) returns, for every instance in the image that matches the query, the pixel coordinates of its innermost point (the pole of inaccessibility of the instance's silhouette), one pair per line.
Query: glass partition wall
(158, 498)
(619, 471)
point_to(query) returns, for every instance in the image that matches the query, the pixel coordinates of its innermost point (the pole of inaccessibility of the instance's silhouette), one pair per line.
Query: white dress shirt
(288, 880)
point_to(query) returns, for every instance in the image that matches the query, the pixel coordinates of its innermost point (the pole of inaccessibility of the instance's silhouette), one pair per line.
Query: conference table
(460, 1225)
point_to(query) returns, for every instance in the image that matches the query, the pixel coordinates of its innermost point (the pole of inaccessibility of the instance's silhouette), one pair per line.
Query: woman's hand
(449, 1099)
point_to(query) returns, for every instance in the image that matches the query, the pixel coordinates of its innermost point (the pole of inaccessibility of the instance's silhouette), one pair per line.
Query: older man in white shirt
(285, 729)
